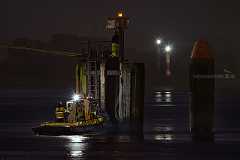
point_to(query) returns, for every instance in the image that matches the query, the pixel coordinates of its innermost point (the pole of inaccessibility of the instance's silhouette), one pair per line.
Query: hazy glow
(76, 97)
(168, 48)
(158, 41)
(120, 14)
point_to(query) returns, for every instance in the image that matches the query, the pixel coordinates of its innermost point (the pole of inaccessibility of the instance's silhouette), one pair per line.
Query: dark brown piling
(102, 87)
(124, 92)
(202, 85)
(137, 99)
(112, 87)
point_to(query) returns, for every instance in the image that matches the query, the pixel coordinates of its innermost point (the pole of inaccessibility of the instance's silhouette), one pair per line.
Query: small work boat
(76, 117)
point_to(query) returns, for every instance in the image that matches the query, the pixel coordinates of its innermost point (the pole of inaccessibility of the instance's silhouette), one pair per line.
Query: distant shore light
(168, 48)
(158, 41)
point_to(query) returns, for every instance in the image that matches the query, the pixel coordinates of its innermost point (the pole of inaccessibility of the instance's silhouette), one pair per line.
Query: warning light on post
(120, 14)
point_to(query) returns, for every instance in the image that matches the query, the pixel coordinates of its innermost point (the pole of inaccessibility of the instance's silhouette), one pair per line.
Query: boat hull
(65, 130)
(62, 128)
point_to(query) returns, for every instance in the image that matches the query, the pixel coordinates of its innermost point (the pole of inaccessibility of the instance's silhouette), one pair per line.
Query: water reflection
(76, 138)
(163, 122)
(169, 100)
(75, 154)
(76, 146)
(163, 129)
(158, 94)
(164, 137)
(168, 95)
(163, 97)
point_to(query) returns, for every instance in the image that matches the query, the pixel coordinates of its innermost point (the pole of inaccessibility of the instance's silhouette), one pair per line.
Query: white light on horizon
(168, 48)
(158, 41)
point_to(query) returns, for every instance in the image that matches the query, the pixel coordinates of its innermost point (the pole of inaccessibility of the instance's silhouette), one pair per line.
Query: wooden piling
(102, 86)
(81, 79)
(112, 88)
(124, 92)
(137, 99)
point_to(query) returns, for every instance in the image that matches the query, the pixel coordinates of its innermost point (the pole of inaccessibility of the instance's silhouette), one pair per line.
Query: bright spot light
(168, 48)
(158, 41)
(164, 137)
(120, 14)
(76, 97)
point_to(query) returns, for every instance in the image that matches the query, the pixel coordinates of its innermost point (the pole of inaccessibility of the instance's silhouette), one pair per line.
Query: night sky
(177, 22)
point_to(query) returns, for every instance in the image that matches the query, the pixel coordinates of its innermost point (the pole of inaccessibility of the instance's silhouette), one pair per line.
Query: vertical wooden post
(137, 99)
(81, 79)
(124, 92)
(102, 86)
(112, 88)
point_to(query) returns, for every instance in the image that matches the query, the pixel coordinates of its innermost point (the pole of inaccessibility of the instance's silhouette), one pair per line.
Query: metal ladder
(93, 79)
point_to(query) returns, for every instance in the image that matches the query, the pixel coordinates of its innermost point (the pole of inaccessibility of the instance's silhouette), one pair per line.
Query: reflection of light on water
(76, 139)
(168, 95)
(163, 97)
(76, 145)
(158, 100)
(168, 99)
(76, 153)
(163, 137)
(158, 94)
(165, 129)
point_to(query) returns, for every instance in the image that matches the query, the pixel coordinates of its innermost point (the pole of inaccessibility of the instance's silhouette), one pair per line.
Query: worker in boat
(59, 112)
(92, 106)
(80, 111)
(66, 114)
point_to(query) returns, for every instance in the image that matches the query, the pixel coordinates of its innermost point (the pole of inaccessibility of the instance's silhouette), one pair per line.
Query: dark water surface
(165, 130)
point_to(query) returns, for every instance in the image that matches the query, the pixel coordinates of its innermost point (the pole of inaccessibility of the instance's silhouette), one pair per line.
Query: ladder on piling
(93, 79)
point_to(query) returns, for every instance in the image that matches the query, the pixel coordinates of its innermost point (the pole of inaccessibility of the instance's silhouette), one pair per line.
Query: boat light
(76, 97)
